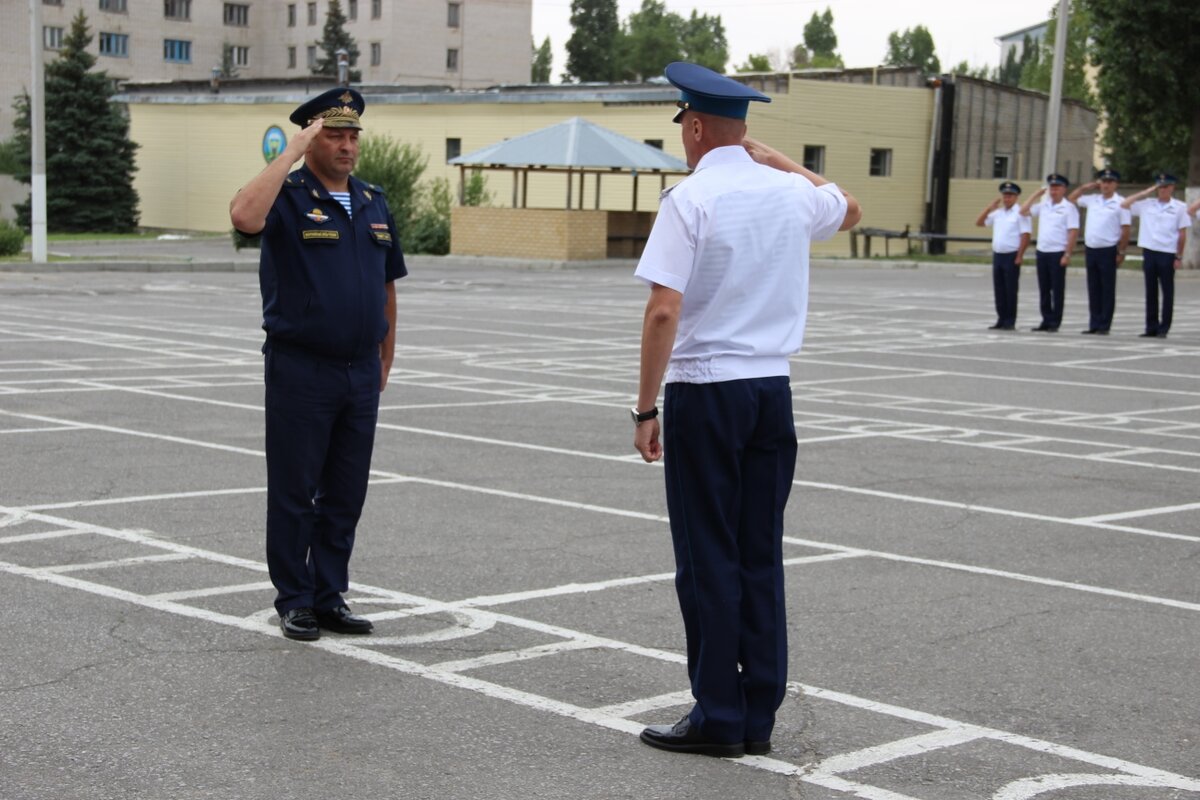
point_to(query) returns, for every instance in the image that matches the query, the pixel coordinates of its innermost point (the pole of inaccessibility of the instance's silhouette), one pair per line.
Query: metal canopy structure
(572, 147)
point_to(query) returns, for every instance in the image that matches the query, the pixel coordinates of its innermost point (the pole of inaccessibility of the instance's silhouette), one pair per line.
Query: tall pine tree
(594, 47)
(89, 156)
(333, 39)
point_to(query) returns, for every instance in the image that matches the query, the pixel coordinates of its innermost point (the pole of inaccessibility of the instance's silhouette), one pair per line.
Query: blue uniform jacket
(323, 274)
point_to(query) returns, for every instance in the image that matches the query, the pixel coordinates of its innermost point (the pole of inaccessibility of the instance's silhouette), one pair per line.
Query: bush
(430, 228)
(12, 238)
(397, 167)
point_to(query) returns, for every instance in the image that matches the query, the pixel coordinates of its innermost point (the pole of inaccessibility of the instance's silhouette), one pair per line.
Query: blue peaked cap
(709, 92)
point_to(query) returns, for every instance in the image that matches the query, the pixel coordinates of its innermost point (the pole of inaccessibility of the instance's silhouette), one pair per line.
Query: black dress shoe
(1042, 327)
(1147, 335)
(683, 738)
(340, 620)
(996, 327)
(1051, 329)
(1090, 330)
(758, 748)
(1102, 332)
(300, 623)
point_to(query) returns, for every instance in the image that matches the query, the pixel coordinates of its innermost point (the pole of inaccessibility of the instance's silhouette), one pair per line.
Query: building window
(376, 54)
(881, 162)
(114, 6)
(655, 143)
(52, 37)
(453, 148)
(376, 9)
(114, 44)
(52, 2)
(312, 56)
(452, 12)
(312, 13)
(291, 15)
(291, 58)
(352, 10)
(452, 60)
(814, 158)
(240, 55)
(177, 50)
(237, 14)
(177, 9)
(1000, 167)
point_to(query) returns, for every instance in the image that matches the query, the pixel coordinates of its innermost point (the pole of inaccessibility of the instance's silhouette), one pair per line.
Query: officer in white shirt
(1105, 237)
(1058, 228)
(1162, 234)
(1010, 236)
(727, 267)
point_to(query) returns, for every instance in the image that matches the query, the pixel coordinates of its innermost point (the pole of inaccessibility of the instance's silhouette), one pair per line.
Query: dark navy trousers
(1101, 265)
(1052, 285)
(1158, 268)
(730, 456)
(1006, 278)
(320, 421)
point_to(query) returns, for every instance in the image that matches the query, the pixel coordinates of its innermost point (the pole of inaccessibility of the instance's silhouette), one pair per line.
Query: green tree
(820, 42)
(755, 62)
(1151, 101)
(1036, 72)
(800, 58)
(1009, 73)
(704, 41)
(89, 156)
(228, 67)
(334, 38)
(397, 167)
(593, 49)
(967, 71)
(543, 60)
(913, 48)
(652, 39)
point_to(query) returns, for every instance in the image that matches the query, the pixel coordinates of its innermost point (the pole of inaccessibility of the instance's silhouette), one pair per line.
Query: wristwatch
(641, 416)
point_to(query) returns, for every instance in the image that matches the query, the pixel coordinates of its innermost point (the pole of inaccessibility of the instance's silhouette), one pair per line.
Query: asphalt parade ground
(993, 550)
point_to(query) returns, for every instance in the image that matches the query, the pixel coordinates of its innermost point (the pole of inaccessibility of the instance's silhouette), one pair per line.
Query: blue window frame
(177, 50)
(114, 44)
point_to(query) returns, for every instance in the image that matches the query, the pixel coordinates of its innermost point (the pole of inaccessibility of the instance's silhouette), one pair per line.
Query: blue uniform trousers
(1158, 268)
(730, 456)
(1052, 286)
(1006, 277)
(320, 425)
(1101, 265)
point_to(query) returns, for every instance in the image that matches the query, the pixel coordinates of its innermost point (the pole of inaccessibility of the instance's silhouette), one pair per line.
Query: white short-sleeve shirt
(1007, 225)
(1055, 220)
(1161, 223)
(734, 238)
(1104, 219)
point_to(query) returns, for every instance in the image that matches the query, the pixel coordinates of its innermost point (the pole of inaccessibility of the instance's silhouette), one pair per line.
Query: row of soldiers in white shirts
(1162, 234)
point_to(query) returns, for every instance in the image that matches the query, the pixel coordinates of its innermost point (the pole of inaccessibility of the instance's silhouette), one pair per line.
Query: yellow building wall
(194, 157)
(558, 234)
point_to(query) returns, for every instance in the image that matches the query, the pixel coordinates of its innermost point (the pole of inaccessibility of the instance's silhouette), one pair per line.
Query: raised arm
(1133, 198)
(1086, 187)
(1193, 208)
(981, 221)
(1033, 198)
(765, 154)
(249, 208)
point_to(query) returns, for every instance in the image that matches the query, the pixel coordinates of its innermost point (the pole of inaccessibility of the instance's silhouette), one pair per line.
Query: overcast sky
(962, 29)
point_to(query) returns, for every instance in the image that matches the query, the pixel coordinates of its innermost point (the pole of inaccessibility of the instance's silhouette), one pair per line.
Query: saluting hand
(298, 145)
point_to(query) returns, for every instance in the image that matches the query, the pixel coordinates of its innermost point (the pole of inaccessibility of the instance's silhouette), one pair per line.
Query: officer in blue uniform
(330, 257)
(727, 268)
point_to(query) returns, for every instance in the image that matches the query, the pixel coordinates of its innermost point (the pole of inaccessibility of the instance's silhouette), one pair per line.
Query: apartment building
(462, 44)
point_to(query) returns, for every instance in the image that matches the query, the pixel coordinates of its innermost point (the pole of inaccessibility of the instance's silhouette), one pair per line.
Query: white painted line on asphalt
(890, 751)
(214, 591)
(645, 705)
(1027, 788)
(512, 656)
(999, 573)
(37, 537)
(61, 569)
(47, 429)
(1144, 512)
